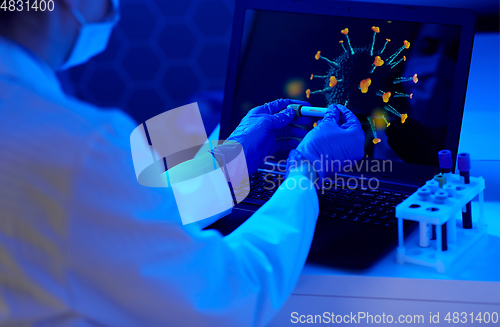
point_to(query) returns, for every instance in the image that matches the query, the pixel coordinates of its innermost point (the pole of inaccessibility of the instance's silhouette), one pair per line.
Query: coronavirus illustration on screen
(362, 79)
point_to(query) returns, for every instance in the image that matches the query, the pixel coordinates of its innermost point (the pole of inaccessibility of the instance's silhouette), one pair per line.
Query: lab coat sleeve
(130, 261)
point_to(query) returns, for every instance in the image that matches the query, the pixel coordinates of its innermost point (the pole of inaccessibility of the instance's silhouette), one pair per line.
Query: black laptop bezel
(420, 14)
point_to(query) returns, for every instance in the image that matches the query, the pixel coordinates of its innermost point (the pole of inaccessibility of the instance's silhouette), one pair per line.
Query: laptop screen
(396, 76)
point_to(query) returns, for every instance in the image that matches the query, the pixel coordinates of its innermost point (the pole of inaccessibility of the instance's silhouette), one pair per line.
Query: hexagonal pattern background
(163, 54)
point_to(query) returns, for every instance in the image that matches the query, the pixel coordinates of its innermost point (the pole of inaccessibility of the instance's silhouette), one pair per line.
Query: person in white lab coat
(83, 244)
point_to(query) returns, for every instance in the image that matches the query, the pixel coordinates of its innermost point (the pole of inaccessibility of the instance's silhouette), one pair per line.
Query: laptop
(401, 69)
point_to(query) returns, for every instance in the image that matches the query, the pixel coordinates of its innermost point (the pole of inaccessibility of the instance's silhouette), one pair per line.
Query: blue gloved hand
(263, 131)
(338, 137)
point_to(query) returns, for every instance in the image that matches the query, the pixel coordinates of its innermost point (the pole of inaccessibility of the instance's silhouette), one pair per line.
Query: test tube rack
(424, 209)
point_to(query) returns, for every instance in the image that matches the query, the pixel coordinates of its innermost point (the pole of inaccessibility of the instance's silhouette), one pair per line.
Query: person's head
(434, 59)
(66, 33)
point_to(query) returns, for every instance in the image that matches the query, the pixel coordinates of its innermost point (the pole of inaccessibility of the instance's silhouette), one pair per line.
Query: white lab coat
(83, 244)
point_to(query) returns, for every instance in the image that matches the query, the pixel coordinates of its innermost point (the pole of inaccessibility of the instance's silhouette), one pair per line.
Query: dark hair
(7, 16)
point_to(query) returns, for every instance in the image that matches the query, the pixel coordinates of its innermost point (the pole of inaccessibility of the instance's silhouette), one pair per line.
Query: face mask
(92, 38)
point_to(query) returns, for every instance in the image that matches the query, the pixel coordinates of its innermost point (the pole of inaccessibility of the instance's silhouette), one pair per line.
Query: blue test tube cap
(464, 162)
(445, 160)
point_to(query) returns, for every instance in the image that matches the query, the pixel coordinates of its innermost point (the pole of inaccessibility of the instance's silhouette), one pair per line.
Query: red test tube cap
(464, 162)
(445, 160)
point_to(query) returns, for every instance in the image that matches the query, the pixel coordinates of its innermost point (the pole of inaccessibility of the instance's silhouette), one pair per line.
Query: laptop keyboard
(340, 201)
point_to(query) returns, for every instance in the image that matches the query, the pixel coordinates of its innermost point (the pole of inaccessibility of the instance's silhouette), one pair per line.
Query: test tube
(452, 226)
(440, 198)
(424, 194)
(464, 168)
(425, 234)
(445, 162)
(433, 186)
(301, 110)
(444, 236)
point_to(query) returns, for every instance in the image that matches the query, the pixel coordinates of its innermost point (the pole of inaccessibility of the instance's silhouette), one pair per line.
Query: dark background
(167, 53)
(163, 54)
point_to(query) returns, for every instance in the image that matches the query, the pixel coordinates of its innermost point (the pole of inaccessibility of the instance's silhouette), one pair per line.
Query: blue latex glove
(263, 131)
(338, 136)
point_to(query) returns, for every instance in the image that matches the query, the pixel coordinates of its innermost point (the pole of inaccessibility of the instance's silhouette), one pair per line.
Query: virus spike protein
(325, 90)
(340, 69)
(403, 95)
(406, 45)
(376, 63)
(318, 56)
(317, 76)
(375, 31)
(398, 62)
(342, 44)
(385, 45)
(413, 79)
(333, 81)
(345, 31)
(364, 84)
(387, 124)
(394, 111)
(386, 96)
(376, 140)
